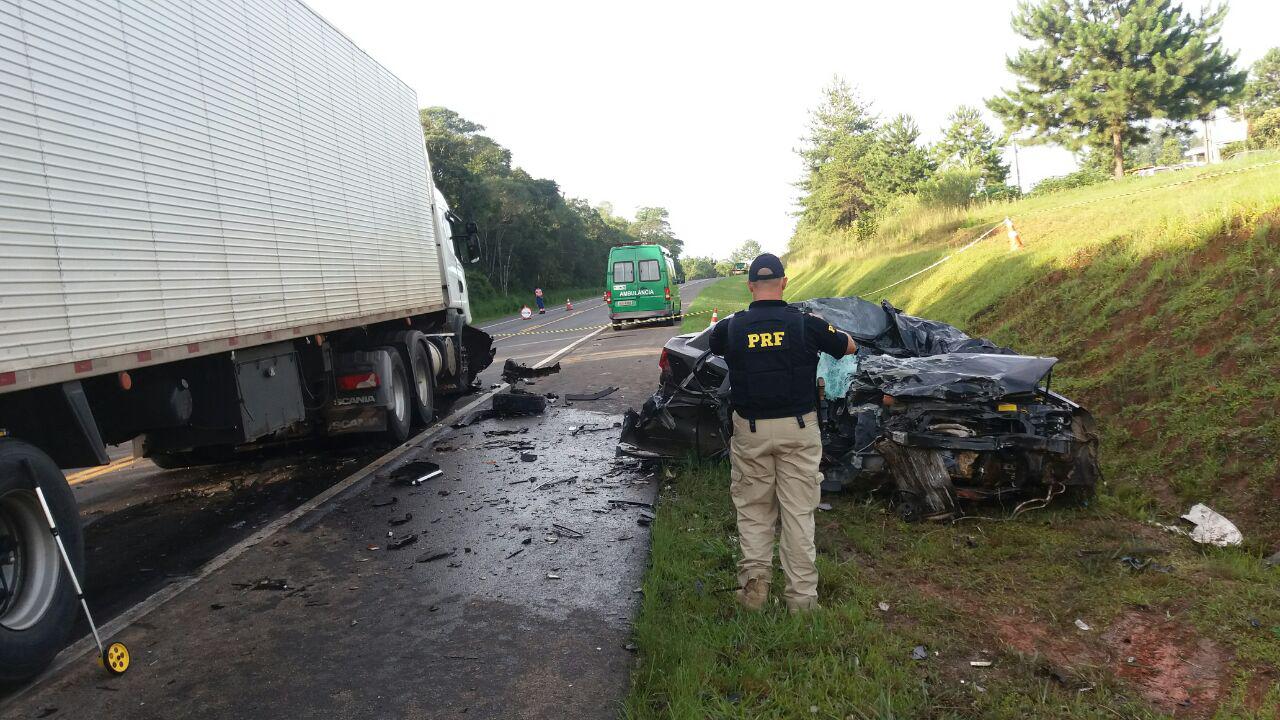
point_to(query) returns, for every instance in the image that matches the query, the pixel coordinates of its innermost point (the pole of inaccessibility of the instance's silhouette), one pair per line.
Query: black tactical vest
(771, 369)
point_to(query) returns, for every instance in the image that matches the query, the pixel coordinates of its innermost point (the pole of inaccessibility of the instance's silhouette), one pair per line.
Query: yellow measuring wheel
(115, 658)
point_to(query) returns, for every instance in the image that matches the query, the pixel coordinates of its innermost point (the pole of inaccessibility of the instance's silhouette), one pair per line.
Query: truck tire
(410, 345)
(399, 411)
(37, 601)
(424, 382)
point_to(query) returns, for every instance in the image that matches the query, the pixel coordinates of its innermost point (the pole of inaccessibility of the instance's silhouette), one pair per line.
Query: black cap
(766, 267)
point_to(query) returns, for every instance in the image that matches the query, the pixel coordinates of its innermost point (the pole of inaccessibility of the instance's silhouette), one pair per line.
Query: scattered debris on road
(415, 473)
(517, 403)
(385, 503)
(401, 542)
(528, 457)
(1083, 625)
(264, 584)
(919, 652)
(513, 371)
(433, 555)
(401, 520)
(566, 532)
(587, 397)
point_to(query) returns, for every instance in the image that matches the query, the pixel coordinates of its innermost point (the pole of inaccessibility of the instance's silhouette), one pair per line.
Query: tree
(652, 225)
(896, 164)
(969, 144)
(697, 268)
(530, 234)
(841, 114)
(1262, 91)
(1266, 129)
(746, 252)
(1100, 68)
(1172, 151)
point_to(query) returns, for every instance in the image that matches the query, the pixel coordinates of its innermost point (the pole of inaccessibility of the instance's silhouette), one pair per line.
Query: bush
(1266, 130)
(1080, 178)
(951, 188)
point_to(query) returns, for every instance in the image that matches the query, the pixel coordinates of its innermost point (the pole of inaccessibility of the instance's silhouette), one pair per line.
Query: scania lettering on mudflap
(357, 400)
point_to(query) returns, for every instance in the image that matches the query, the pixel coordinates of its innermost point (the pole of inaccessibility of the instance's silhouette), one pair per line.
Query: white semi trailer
(217, 229)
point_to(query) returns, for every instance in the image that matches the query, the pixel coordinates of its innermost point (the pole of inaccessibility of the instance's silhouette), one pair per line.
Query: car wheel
(399, 412)
(37, 601)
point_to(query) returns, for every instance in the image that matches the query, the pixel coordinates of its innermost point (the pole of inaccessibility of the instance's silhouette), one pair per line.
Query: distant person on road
(542, 304)
(772, 353)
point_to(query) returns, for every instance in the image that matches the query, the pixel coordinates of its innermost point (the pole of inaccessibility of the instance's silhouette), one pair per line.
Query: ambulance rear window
(649, 271)
(624, 272)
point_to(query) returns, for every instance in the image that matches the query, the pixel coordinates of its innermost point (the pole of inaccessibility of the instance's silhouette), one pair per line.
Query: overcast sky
(697, 106)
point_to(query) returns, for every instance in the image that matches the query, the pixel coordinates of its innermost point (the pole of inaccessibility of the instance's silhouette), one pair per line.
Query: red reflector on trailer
(144, 356)
(358, 381)
(8, 378)
(83, 366)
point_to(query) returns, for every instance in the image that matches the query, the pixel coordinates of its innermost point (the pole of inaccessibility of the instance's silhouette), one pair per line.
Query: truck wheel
(399, 412)
(410, 345)
(37, 602)
(424, 400)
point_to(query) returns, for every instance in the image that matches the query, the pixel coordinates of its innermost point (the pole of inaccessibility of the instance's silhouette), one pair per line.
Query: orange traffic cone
(715, 316)
(525, 312)
(1015, 237)
(568, 306)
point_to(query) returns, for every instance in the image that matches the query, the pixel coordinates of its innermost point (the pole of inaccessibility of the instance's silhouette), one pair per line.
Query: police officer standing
(772, 353)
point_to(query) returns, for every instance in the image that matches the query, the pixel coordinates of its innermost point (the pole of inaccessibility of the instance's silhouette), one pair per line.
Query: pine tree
(968, 144)
(843, 113)
(1262, 91)
(1102, 67)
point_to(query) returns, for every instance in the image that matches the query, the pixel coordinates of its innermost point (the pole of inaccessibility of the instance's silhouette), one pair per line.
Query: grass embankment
(492, 306)
(726, 295)
(1163, 308)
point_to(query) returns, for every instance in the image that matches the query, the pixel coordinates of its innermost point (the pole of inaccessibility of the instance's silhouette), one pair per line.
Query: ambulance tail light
(608, 297)
(667, 291)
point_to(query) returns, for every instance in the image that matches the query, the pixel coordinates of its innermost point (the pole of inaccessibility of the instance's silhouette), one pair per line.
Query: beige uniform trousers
(775, 476)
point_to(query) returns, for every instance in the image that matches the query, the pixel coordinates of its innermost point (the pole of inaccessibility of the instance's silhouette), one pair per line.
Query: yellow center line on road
(91, 473)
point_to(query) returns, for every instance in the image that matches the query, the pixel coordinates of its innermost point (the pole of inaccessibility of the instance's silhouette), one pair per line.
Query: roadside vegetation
(1160, 295)
(530, 234)
(726, 296)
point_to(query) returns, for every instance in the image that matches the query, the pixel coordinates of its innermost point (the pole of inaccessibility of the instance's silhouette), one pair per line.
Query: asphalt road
(516, 618)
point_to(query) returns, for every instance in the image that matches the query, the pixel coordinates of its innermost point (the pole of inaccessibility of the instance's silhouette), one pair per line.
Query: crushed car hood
(889, 331)
(958, 376)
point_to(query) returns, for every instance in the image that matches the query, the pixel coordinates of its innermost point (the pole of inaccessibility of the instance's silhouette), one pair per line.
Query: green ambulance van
(640, 284)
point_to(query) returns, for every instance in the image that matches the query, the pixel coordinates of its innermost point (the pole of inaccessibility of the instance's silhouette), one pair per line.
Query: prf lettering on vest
(764, 340)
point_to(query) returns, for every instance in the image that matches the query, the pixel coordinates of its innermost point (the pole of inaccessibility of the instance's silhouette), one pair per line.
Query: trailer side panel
(188, 171)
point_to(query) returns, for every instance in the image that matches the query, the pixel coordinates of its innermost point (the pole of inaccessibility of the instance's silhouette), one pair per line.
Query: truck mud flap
(478, 345)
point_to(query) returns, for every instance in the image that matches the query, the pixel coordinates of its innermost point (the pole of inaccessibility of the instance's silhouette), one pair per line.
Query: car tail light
(667, 291)
(608, 296)
(664, 362)
(358, 381)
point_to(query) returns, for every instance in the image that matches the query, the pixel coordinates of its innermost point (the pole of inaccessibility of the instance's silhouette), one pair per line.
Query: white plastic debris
(979, 663)
(1211, 528)
(884, 606)
(1083, 625)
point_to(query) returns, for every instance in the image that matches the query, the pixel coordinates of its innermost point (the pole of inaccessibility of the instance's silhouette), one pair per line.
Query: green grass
(490, 307)
(1162, 304)
(726, 295)
(967, 591)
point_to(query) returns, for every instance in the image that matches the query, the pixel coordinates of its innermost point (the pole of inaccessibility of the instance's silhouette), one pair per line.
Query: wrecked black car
(923, 411)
